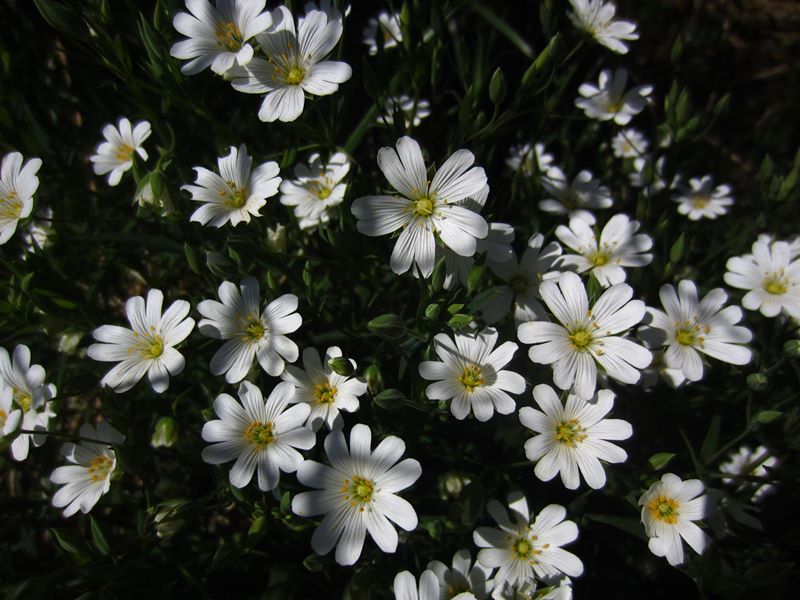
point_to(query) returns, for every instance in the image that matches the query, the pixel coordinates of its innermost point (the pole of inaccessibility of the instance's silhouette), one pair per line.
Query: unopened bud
(792, 348)
(165, 433)
(374, 379)
(388, 326)
(276, 239)
(757, 382)
(152, 194)
(342, 366)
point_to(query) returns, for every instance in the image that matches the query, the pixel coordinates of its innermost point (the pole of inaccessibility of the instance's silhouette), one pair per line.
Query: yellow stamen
(700, 201)
(471, 378)
(235, 197)
(570, 433)
(229, 36)
(153, 348)
(581, 338)
(776, 284)
(253, 329)
(10, 206)
(124, 152)
(99, 467)
(423, 207)
(358, 491)
(259, 434)
(599, 258)
(664, 509)
(324, 393)
(22, 398)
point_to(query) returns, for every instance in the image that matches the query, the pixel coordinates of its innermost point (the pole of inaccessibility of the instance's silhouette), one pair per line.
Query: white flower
(9, 416)
(629, 143)
(37, 234)
(573, 198)
(26, 384)
(251, 332)
(326, 6)
(609, 100)
(405, 586)
(387, 28)
(236, 194)
(770, 275)
(115, 155)
(412, 110)
(89, 475)
(147, 347)
(357, 494)
(294, 64)
(326, 392)
(461, 581)
(756, 463)
(18, 184)
(659, 369)
(529, 159)
(659, 182)
(691, 327)
(605, 258)
(596, 18)
(424, 208)
(585, 338)
(496, 245)
(469, 373)
(702, 199)
(522, 282)
(794, 243)
(573, 438)
(260, 435)
(528, 591)
(668, 509)
(217, 36)
(317, 188)
(520, 549)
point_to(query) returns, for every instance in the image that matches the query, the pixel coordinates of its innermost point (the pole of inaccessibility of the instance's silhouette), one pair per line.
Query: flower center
(615, 106)
(423, 207)
(254, 329)
(581, 338)
(100, 467)
(599, 258)
(235, 197)
(471, 378)
(358, 491)
(3, 417)
(153, 348)
(22, 398)
(570, 433)
(518, 283)
(124, 152)
(664, 509)
(295, 75)
(700, 201)
(229, 36)
(259, 434)
(324, 393)
(776, 284)
(10, 206)
(524, 548)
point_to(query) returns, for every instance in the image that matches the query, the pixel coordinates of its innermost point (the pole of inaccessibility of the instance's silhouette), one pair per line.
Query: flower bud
(342, 366)
(152, 194)
(165, 433)
(276, 239)
(374, 379)
(757, 382)
(792, 348)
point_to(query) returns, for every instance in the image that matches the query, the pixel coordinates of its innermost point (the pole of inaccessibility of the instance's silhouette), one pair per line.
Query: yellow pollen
(99, 467)
(22, 398)
(259, 434)
(295, 75)
(599, 258)
(254, 329)
(3, 417)
(580, 338)
(235, 197)
(776, 285)
(518, 283)
(471, 378)
(524, 549)
(358, 491)
(229, 36)
(324, 393)
(124, 152)
(615, 106)
(700, 201)
(423, 207)
(664, 509)
(153, 348)
(570, 433)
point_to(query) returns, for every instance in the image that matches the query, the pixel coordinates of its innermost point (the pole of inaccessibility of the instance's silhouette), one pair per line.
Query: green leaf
(391, 399)
(313, 563)
(660, 460)
(460, 320)
(192, 258)
(677, 250)
(98, 538)
(61, 18)
(69, 541)
(389, 326)
(503, 27)
(677, 51)
(711, 441)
